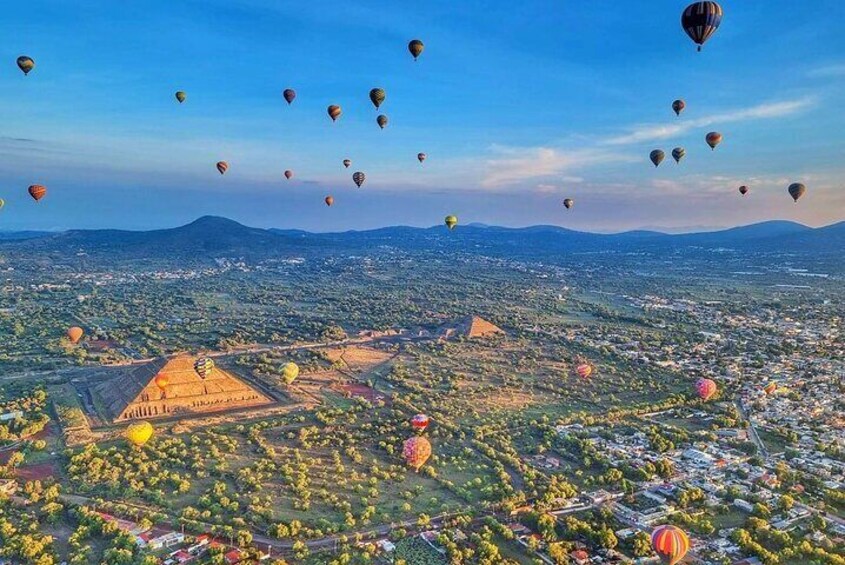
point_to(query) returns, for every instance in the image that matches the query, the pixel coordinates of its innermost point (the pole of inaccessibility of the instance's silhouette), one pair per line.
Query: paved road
(754, 436)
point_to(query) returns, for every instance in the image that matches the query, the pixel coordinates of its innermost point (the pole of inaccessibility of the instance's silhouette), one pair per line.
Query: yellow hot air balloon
(139, 433)
(74, 334)
(451, 221)
(181, 96)
(2, 203)
(377, 96)
(290, 372)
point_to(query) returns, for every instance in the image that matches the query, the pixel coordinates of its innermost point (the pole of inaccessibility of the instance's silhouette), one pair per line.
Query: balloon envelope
(2, 203)
(420, 422)
(358, 178)
(678, 153)
(421, 157)
(416, 451)
(705, 388)
(743, 190)
(670, 543)
(701, 20)
(377, 96)
(25, 64)
(678, 106)
(329, 200)
(381, 120)
(584, 370)
(796, 190)
(416, 48)
(289, 94)
(37, 191)
(657, 157)
(139, 433)
(288, 174)
(290, 372)
(568, 203)
(74, 334)
(162, 381)
(334, 112)
(347, 162)
(222, 167)
(181, 96)
(451, 221)
(713, 139)
(203, 366)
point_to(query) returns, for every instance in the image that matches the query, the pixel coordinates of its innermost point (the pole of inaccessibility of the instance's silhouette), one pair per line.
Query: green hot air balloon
(678, 153)
(181, 96)
(657, 157)
(377, 95)
(796, 190)
(290, 372)
(451, 221)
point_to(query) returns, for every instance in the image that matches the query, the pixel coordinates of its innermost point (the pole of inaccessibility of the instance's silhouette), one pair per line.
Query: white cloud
(516, 164)
(836, 70)
(650, 132)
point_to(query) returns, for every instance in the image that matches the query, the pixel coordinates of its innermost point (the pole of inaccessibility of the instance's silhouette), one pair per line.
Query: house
(232, 557)
(580, 557)
(744, 505)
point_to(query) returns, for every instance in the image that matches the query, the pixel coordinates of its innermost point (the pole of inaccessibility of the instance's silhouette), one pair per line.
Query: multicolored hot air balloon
(416, 451)
(678, 153)
(451, 221)
(701, 20)
(347, 162)
(705, 388)
(670, 543)
(181, 96)
(381, 120)
(416, 48)
(334, 112)
(657, 157)
(358, 178)
(329, 200)
(37, 191)
(288, 174)
(162, 380)
(796, 190)
(743, 190)
(203, 366)
(420, 422)
(770, 388)
(25, 64)
(678, 106)
(584, 370)
(377, 96)
(139, 433)
(222, 166)
(421, 157)
(568, 203)
(713, 139)
(289, 94)
(75, 333)
(290, 372)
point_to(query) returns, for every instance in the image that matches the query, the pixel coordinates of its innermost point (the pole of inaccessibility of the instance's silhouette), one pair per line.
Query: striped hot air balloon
(670, 543)
(584, 370)
(705, 388)
(701, 20)
(358, 178)
(334, 112)
(222, 167)
(203, 366)
(796, 190)
(678, 153)
(420, 422)
(37, 191)
(657, 157)
(416, 451)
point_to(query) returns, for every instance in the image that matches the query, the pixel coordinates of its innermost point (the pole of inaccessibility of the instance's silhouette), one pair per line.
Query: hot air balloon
(678, 106)
(657, 157)
(568, 203)
(416, 48)
(37, 191)
(334, 112)
(381, 120)
(329, 200)
(451, 221)
(584, 370)
(358, 178)
(203, 366)
(290, 372)
(347, 162)
(796, 190)
(222, 166)
(288, 174)
(162, 380)
(670, 544)
(701, 20)
(743, 190)
(713, 139)
(416, 451)
(421, 157)
(705, 388)
(420, 422)
(181, 96)
(2, 203)
(74, 334)
(678, 153)
(25, 64)
(139, 433)
(289, 94)
(377, 96)
(770, 388)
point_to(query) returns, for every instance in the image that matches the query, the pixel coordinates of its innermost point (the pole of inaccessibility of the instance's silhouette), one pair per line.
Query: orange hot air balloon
(288, 174)
(713, 139)
(421, 157)
(705, 388)
(334, 112)
(743, 190)
(347, 162)
(289, 95)
(416, 452)
(420, 422)
(74, 334)
(162, 381)
(329, 200)
(139, 433)
(37, 191)
(771, 388)
(670, 544)
(584, 370)
(222, 166)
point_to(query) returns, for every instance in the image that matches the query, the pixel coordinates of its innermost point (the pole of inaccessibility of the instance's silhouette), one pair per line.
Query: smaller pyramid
(471, 327)
(137, 394)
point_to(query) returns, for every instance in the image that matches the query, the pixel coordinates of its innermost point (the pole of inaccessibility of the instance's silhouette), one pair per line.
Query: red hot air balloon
(416, 451)
(705, 388)
(288, 174)
(420, 422)
(37, 191)
(329, 200)
(583, 370)
(670, 543)
(222, 167)
(289, 95)
(678, 106)
(713, 139)
(334, 112)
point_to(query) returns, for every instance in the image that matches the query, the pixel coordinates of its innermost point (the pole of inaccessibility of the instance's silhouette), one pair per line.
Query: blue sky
(517, 106)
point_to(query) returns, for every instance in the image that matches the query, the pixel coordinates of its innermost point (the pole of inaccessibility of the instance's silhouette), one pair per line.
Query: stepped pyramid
(135, 393)
(470, 327)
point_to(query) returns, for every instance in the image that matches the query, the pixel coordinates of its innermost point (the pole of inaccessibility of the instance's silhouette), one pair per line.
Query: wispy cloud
(827, 71)
(651, 132)
(516, 164)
